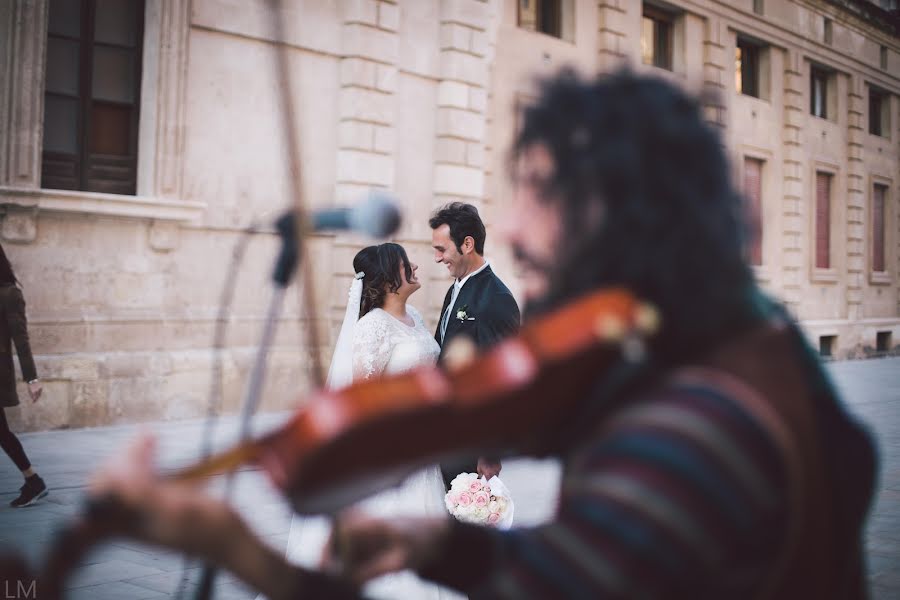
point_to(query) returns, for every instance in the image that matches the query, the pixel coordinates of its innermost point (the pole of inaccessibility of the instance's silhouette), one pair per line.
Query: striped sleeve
(678, 496)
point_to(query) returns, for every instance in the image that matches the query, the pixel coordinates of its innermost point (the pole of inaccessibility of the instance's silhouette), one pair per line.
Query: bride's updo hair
(381, 265)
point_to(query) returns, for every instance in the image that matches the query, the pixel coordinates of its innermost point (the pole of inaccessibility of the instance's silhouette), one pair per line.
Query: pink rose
(493, 518)
(482, 499)
(475, 486)
(464, 499)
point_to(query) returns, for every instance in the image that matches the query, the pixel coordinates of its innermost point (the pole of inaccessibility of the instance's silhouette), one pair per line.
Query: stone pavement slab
(125, 569)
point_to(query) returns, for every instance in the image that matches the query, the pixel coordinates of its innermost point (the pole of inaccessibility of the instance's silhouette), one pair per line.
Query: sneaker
(33, 490)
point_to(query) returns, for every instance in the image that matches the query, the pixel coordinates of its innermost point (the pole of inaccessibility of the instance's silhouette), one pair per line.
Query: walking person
(14, 330)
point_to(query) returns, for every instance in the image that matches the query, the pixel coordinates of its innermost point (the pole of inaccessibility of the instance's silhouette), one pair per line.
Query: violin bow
(291, 139)
(306, 285)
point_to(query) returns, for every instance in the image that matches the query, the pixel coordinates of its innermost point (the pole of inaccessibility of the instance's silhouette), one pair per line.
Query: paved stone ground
(127, 570)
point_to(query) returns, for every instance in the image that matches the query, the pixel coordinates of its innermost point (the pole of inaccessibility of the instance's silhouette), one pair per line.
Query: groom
(478, 305)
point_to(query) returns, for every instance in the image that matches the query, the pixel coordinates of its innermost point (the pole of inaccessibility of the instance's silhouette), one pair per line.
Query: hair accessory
(360, 275)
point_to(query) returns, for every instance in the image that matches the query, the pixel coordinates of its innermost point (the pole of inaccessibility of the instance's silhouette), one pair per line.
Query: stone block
(453, 93)
(480, 45)
(477, 99)
(457, 180)
(385, 139)
(473, 13)
(80, 368)
(51, 412)
(163, 236)
(855, 231)
(363, 41)
(464, 124)
(89, 403)
(613, 19)
(855, 263)
(713, 74)
(854, 152)
(358, 72)
(450, 150)
(360, 11)
(388, 16)
(475, 154)
(364, 168)
(356, 135)
(19, 226)
(794, 117)
(714, 54)
(386, 78)
(456, 37)
(464, 67)
(367, 105)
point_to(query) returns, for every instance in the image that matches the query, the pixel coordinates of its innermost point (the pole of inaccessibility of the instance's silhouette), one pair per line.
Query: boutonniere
(463, 314)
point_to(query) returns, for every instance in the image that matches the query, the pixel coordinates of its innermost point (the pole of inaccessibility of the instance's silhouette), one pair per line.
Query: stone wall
(417, 96)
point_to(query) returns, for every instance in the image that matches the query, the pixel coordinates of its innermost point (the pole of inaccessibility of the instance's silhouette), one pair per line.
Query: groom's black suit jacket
(489, 301)
(496, 316)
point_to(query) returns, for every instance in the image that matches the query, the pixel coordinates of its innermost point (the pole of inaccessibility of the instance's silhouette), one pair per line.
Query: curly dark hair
(647, 202)
(381, 265)
(463, 220)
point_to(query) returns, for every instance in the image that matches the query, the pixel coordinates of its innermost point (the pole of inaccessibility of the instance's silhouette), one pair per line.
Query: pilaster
(462, 101)
(794, 158)
(368, 102)
(856, 196)
(23, 35)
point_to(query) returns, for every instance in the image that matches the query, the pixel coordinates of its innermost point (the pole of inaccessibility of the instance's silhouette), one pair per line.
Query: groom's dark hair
(464, 221)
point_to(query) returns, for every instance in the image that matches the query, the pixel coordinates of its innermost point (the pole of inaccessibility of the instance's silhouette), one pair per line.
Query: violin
(346, 444)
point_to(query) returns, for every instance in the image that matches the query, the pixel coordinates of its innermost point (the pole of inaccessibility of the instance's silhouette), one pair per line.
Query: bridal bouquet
(480, 502)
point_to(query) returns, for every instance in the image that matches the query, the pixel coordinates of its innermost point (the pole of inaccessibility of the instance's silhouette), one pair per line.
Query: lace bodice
(384, 344)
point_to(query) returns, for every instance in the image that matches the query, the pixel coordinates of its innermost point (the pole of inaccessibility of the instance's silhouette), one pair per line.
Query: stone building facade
(418, 96)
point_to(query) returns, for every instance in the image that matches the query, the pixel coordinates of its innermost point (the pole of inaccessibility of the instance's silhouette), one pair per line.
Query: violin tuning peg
(610, 328)
(647, 319)
(460, 353)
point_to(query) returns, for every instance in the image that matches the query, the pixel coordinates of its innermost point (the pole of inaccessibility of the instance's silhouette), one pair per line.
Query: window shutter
(753, 193)
(823, 220)
(878, 228)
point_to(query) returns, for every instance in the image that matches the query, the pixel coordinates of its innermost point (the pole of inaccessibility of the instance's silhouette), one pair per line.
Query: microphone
(377, 216)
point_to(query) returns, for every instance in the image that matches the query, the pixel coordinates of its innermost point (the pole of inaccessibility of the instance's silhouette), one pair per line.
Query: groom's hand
(488, 468)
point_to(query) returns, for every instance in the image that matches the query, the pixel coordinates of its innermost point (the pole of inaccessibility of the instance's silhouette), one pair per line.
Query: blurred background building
(139, 137)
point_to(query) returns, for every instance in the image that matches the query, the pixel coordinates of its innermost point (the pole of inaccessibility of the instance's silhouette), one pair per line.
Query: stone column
(856, 197)
(715, 71)
(613, 21)
(462, 101)
(792, 251)
(163, 90)
(366, 131)
(23, 42)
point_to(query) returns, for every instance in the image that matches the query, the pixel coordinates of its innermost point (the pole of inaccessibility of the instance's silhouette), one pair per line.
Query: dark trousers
(11, 445)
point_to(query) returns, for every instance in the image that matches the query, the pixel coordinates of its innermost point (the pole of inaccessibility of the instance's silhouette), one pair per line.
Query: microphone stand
(285, 266)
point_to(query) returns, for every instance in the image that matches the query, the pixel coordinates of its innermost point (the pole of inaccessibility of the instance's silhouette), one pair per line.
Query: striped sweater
(680, 495)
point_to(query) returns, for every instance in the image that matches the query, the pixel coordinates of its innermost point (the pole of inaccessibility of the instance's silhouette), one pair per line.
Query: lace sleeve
(371, 346)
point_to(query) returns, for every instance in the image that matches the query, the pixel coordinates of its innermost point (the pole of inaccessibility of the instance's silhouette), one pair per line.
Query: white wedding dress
(383, 344)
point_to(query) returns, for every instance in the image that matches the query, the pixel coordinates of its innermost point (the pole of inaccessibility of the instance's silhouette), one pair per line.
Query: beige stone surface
(418, 96)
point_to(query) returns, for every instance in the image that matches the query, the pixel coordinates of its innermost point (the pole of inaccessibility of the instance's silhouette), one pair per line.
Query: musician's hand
(180, 516)
(162, 512)
(363, 547)
(488, 468)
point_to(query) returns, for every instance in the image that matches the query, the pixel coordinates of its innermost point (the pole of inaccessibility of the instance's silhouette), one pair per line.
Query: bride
(381, 334)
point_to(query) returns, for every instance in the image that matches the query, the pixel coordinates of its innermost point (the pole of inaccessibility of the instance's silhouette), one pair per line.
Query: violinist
(720, 465)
